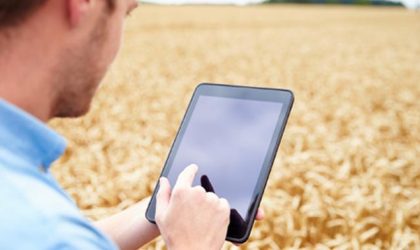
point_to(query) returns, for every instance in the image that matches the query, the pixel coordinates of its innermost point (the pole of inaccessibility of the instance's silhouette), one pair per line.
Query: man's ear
(77, 10)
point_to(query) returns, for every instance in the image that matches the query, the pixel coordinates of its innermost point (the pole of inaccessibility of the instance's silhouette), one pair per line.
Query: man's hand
(130, 229)
(189, 217)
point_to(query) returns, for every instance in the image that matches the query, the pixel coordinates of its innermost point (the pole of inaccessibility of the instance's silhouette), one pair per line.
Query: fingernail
(194, 165)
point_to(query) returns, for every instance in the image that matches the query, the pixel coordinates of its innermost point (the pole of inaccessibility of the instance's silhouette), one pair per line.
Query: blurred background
(347, 174)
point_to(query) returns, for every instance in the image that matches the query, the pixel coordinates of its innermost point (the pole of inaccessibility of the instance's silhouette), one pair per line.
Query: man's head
(78, 40)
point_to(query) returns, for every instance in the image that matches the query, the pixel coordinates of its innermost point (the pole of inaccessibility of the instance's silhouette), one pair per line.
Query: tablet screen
(232, 133)
(228, 138)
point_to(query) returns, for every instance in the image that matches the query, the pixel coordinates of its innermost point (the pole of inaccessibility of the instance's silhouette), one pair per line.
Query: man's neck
(21, 85)
(24, 73)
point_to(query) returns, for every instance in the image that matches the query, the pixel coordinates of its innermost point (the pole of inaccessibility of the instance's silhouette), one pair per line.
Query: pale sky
(411, 4)
(237, 2)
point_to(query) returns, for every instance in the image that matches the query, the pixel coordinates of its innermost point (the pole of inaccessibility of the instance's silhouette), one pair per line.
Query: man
(53, 54)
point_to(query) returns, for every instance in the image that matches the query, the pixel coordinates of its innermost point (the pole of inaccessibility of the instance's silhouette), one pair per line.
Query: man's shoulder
(35, 214)
(23, 185)
(27, 227)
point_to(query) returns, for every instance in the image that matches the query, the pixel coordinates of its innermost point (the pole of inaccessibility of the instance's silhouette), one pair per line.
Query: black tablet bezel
(283, 96)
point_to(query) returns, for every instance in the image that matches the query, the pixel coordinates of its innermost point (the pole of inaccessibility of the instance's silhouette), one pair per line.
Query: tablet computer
(232, 133)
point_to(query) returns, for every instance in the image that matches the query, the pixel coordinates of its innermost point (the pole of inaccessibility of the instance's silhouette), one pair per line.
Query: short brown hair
(12, 12)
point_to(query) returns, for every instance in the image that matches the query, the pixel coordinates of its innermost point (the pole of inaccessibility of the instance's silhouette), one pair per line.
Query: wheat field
(347, 175)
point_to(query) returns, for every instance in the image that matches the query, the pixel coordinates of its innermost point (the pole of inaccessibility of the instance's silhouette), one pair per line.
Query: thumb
(163, 195)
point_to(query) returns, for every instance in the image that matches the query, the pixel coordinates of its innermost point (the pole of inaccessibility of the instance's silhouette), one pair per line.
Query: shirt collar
(26, 136)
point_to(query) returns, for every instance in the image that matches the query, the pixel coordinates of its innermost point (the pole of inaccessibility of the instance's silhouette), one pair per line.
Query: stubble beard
(78, 75)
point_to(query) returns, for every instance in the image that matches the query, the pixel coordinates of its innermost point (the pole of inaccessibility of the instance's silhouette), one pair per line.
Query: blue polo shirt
(35, 212)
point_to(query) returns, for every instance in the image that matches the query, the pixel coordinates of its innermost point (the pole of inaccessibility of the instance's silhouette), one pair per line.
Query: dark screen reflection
(237, 224)
(228, 139)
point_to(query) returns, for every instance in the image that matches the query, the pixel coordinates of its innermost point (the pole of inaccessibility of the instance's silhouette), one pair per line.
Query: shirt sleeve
(78, 233)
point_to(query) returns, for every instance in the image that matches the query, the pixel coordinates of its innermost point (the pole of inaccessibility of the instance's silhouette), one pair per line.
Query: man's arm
(130, 229)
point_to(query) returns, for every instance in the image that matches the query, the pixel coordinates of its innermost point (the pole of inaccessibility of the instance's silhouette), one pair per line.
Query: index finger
(186, 177)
